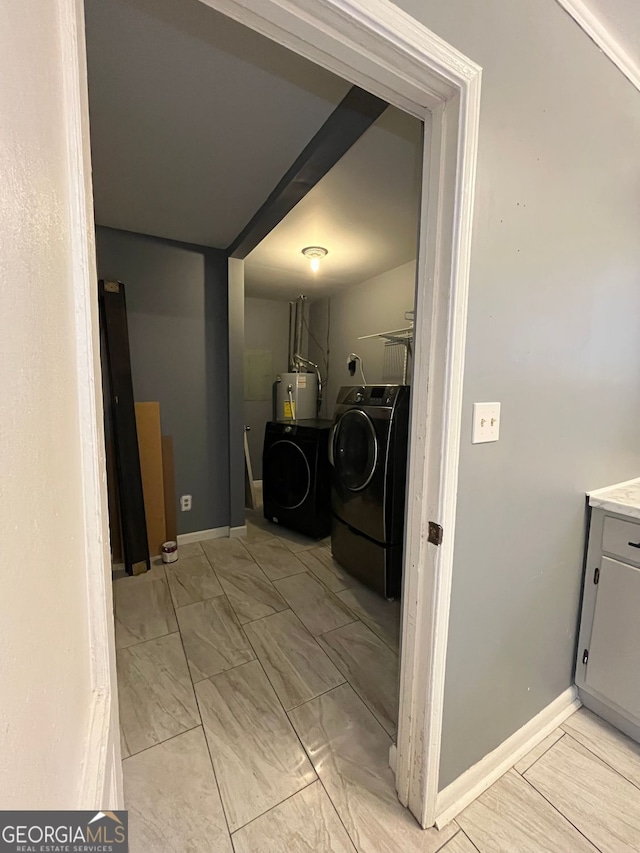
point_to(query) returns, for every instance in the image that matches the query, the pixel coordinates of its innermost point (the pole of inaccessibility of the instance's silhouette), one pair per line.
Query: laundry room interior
(329, 309)
(345, 342)
(257, 312)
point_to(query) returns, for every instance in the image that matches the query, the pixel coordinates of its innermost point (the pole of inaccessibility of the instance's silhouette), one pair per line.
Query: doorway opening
(445, 231)
(326, 404)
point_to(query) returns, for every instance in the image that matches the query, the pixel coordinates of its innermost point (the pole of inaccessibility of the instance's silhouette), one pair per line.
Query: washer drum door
(357, 450)
(287, 471)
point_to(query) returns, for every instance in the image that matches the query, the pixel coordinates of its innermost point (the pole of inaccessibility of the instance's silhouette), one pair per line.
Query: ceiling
(194, 120)
(364, 212)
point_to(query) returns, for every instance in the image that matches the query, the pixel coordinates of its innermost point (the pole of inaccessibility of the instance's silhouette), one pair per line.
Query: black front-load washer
(296, 476)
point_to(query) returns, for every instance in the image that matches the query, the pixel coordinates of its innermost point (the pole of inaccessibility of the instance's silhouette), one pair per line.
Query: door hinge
(585, 656)
(596, 576)
(435, 533)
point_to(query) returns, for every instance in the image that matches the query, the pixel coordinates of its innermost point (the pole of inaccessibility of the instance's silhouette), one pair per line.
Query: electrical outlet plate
(486, 422)
(185, 503)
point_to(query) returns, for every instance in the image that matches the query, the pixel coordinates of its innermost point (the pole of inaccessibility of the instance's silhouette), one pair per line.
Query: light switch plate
(486, 422)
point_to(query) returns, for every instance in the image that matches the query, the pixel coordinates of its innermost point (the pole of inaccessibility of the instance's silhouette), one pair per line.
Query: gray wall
(177, 314)
(266, 327)
(376, 305)
(235, 412)
(554, 333)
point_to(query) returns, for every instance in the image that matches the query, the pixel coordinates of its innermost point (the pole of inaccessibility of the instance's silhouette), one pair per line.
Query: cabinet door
(613, 669)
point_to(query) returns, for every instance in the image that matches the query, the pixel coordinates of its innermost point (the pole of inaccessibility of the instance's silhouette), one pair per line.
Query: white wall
(266, 327)
(47, 420)
(376, 305)
(554, 333)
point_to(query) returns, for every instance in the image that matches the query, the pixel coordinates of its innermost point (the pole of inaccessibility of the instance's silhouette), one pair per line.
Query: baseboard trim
(393, 758)
(201, 535)
(473, 782)
(606, 712)
(96, 772)
(238, 532)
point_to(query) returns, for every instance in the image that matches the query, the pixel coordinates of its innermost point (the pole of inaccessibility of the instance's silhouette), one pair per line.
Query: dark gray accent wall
(554, 334)
(177, 313)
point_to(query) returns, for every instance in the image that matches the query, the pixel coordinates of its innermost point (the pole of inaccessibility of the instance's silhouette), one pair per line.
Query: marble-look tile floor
(258, 700)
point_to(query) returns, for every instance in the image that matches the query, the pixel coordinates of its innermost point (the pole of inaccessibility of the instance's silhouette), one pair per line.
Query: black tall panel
(113, 317)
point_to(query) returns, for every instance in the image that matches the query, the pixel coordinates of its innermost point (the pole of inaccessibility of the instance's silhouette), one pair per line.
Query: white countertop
(623, 498)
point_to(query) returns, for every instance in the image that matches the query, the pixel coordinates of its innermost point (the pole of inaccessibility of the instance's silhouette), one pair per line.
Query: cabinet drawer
(621, 539)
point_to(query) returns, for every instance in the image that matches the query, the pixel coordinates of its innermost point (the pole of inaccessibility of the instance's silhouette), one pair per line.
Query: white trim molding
(376, 45)
(393, 758)
(599, 33)
(101, 779)
(467, 787)
(238, 532)
(101, 783)
(202, 535)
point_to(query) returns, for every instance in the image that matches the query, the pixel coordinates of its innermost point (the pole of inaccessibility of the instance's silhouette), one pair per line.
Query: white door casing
(101, 782)
(377, 46)
(59, 735)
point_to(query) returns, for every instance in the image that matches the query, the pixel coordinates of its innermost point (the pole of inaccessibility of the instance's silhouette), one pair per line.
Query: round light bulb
(315, 264)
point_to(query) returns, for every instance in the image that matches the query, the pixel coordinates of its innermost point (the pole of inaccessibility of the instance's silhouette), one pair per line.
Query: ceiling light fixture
(314, 254)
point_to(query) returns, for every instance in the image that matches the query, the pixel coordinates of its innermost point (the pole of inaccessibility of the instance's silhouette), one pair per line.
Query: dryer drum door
(355, 450)
(288, 473)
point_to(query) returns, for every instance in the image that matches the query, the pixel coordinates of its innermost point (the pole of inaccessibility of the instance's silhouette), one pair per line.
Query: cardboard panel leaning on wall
(376, 305)
(169, 487)
(150, 444)
(554, 334)
(177, 314)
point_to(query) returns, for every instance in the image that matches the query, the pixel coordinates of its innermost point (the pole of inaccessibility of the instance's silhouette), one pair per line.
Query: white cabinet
(608, 662)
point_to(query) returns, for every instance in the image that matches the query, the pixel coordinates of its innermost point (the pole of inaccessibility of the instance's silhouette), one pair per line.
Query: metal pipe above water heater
(297, 341)
(292, 308)
(297, 362)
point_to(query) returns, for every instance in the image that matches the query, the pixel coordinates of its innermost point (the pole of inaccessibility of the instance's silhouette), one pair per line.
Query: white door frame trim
(101, 778)
(377, 46)
(374, 44)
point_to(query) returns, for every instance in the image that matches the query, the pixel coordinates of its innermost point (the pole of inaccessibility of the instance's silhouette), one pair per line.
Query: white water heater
(297, 396)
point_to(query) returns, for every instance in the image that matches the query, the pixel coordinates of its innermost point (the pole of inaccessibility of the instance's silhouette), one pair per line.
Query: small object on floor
(250, 497)
(169, 552)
